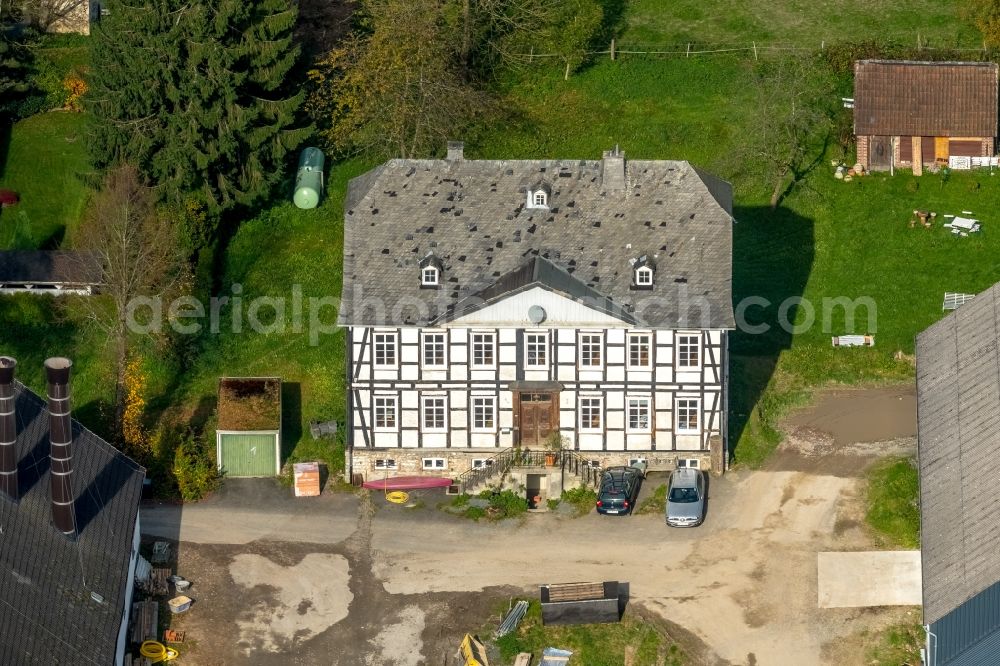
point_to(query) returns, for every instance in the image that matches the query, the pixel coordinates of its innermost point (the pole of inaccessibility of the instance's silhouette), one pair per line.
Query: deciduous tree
(135, 250)
(985, 14)
(399, 89)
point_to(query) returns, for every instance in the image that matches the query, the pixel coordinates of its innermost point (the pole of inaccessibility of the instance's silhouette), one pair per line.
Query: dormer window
(539, 195)
(642, 272)
(430, 271)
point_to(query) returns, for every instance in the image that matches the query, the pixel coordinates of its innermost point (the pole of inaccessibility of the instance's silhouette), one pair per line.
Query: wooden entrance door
(537, 418)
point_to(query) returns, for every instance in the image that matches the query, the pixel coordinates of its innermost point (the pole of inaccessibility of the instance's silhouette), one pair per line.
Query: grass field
(43, 159)
(593, 644)
(893, 502)
(794, 22)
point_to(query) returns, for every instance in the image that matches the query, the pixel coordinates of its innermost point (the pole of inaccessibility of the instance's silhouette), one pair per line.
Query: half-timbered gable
(598, 309)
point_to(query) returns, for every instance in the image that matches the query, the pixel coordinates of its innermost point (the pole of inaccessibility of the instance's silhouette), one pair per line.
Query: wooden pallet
(576, 592)
(145, 615)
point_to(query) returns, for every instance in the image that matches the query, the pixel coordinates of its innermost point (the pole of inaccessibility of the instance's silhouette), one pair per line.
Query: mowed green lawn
(805, 23)
(45, 159)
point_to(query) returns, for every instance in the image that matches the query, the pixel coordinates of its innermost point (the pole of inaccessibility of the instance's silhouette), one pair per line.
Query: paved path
(876, 578)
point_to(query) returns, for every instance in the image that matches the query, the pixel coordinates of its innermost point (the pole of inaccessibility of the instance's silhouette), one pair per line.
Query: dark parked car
(619, 488)
(686, 498)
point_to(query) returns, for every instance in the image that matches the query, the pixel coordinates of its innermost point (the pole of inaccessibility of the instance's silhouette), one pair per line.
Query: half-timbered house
(489, 304)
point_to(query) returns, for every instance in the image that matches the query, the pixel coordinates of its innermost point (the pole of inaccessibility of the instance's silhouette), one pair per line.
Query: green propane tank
(309, 179)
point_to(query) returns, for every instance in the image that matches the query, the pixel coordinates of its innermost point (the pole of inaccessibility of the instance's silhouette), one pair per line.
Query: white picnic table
(966, 223)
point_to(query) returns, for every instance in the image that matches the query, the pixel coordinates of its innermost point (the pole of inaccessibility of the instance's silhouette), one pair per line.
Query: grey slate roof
(49, 267)
(472, 214)
(47, 614)
(958, 419)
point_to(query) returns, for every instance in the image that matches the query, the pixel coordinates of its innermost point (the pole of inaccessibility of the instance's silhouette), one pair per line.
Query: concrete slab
(877, 578)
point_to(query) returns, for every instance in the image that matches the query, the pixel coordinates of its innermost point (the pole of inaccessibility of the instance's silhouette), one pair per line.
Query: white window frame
(527, 350)
(444, 350)
(395, 412)
(679, 343)
(644, 276)
(424, 399)
(585, 427)
(634, 338)
(472, 350)
(385, 463)
(480, 463)
(584, 360)
(493, 413)
(430, 276)
(638, 400)
(697, 413)
(433, 463)
(685, 463)
(375, 349)
(538, 199)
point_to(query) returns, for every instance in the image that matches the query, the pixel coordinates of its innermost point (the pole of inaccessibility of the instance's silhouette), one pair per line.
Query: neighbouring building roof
(61, 599)
(907, 98)
(42, 267)
(473, 215)
(249, 403)
(958, 418)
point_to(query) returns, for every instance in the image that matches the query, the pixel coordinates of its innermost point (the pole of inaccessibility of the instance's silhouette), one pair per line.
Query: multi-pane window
(385, 349)
(591, 413)
(638, 414)
(385, 412)
(434, 417)
(536, 346)
(638, 350)
(590, 350)
(385, 463)
(688, 350)
(429, 276)
(644, 277)
(484, 413)
(688, 415)
(433, 352)
(434, 463)
(483, 349)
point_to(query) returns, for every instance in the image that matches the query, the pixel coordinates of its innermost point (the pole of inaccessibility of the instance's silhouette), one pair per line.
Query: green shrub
(582, 497)
(475, 512)
(553, 504)
(505, 504)
(194, 470)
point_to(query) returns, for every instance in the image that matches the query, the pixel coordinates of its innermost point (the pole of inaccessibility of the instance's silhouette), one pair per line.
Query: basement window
(435, 463)
(385, 463)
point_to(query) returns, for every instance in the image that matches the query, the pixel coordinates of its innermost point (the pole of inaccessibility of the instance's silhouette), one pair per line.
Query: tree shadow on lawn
(291, 418)
(773, 253)
(6, 128)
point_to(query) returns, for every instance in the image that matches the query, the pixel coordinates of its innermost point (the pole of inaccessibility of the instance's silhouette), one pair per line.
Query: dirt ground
(396, 586)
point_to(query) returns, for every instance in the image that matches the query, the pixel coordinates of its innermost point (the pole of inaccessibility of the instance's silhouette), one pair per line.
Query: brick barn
(919, 114)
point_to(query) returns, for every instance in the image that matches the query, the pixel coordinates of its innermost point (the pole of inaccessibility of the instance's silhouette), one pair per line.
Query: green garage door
(248, 455)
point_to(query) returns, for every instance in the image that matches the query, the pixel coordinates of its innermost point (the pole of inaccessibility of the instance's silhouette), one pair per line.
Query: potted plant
(553, 445)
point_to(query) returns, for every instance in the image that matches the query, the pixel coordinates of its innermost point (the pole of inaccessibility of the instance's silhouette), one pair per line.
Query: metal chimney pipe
(8, 429)
(57, 372)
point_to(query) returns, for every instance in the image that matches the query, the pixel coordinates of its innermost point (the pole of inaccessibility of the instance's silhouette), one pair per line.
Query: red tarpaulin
(408, 483)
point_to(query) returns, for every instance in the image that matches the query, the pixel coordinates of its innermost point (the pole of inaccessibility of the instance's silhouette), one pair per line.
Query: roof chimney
(456, 150)
(8, 429)
(57, 371)
(613, 170)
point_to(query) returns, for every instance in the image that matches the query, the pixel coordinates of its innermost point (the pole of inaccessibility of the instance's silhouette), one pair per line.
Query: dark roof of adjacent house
(958, 419)
(49, 267)
(473, 215)
(908, 98)
(61, 599)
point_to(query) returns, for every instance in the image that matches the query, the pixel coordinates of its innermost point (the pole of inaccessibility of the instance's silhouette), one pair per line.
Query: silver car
(686, 498)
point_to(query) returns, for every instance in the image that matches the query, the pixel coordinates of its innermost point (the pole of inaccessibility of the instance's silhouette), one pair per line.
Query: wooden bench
(145, 615)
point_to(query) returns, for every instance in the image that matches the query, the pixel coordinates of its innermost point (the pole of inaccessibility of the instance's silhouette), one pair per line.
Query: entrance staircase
(494, 469)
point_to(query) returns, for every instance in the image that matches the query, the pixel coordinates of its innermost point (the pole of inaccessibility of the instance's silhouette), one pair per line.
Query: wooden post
(822, 45)
(755, 50)
(688, 51)
(531, 56)
(612, 48)
(566, 77)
